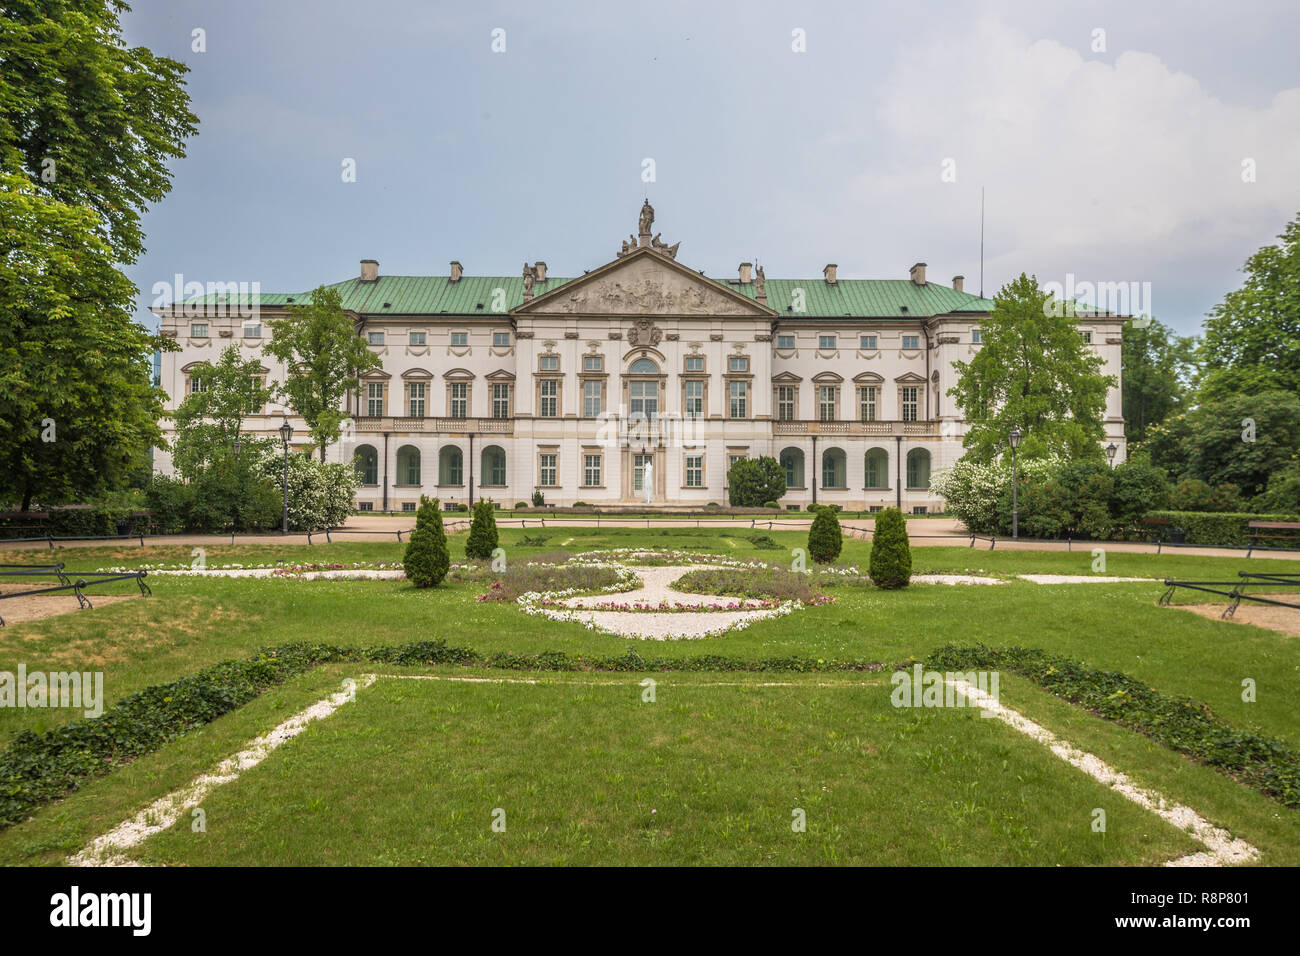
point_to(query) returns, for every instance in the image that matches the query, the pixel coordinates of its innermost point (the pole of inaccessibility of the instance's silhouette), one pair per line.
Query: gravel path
(1077, 579)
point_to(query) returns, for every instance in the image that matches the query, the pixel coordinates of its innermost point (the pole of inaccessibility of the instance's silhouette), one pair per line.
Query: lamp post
(1014, 439)
(1110, 453)
(286, 433)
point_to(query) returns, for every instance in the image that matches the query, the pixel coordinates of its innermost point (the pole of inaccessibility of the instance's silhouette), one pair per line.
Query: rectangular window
(459, 339)
(868, 343)
(415, 400)
(459, 407)
(593, 395)
(417, 338)
(1087, 338)
(252, 330)
(375, 399)
(550, 395)
(376, 338)
(500, 400)
(826, 343)
(738, 363)
(643, 399)
(500, 340)
(911, 341)
(785, 403)
(198, 330)
(738, 399)
(694, 471)
(976, 337)
(197, 384)
(547, 470)
(695, 399)
(591, 471)
(867, 403)
(593, 363)
(365, 506)
(695, 363)
(550, 363)
(785, 341)
(826, 403)
(910, 400)
(408, 505)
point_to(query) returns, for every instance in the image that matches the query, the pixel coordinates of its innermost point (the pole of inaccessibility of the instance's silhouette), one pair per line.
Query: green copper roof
(484, 295)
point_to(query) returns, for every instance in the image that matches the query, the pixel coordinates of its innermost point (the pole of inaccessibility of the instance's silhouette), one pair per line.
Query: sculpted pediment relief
(643, 284)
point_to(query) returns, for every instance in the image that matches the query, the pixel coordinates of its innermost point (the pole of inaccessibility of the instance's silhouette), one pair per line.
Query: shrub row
(1184, 725)
(1230, 529)
(91, 521)
(38, 768)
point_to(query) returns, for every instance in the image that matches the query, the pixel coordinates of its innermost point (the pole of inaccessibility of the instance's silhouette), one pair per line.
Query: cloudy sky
(1116, 141)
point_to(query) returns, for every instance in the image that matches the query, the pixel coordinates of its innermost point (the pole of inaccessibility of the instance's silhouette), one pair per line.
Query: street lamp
(1110, 453)
(1014, 439)
(286, 433)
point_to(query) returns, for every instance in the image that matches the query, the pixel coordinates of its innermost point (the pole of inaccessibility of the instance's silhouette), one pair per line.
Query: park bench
(1291, 533)
(1163, 532)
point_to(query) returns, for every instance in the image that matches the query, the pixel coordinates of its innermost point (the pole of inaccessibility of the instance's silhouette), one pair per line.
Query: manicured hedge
(91, 521)
(38, 768)
(1223, 528)
(1184, 725)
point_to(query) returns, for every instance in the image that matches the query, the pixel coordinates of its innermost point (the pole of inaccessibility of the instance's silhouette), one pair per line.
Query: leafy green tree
(1033, 372)
(1158, 365)
(753, 482)
(1282, 495)
(209, 421)
(1138, 488)
(825, 539)
(324, 358)
(890, 564)
(427, 559)
(482, 540)
(1252, 338)
(1243, 439)
(87, 130)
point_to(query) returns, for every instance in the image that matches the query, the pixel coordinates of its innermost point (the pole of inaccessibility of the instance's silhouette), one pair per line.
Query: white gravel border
(1222, 849)
(164, 812)
(1077, 579)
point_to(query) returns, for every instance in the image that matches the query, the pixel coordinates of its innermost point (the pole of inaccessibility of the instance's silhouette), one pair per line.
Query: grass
(479, 740)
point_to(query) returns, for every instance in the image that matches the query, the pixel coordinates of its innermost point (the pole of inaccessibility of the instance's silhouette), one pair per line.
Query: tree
(78, 407)
(482, 540)
(1252, 337)
(324, 358)
(87, 130)
(1157, 367)
(753, 482)
(1243, 439)
(1033, 372)
(890, 564)
(210, 419)
(427, 559)
(824, 537)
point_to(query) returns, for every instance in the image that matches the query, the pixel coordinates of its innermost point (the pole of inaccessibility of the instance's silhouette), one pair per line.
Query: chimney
(745, 267)
(958, 283)
(456, 271)
(540, 269)
(829, 273)
(917, 272)
(369, 270)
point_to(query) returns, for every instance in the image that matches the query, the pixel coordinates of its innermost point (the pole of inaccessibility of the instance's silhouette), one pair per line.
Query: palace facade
(637, 382)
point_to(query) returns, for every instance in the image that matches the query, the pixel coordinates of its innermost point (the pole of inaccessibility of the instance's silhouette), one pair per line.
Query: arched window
(643, 366)
(450, 466)
(877, 469)
(408, 465)
(792, 464)
(366, 462)
(833, 469)
(918, 469)
(494, 465)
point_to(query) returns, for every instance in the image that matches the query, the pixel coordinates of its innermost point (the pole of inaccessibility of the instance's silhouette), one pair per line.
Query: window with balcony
(643, 399)
(458, 400)
(826, 401)
(415, 397)
(785, 403)
(867, 403)
(910, 400)
(500, 400)
(375, 399)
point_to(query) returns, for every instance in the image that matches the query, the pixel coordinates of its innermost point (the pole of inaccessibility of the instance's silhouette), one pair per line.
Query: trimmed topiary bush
(482, 540)
(891, 556)
(824, 537)
(427, 559)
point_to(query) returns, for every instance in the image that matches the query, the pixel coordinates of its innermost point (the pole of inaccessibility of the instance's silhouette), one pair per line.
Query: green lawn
(721, 765)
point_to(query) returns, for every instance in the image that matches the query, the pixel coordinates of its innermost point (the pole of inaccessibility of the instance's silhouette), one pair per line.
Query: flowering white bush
(320, 493)
(973, 490)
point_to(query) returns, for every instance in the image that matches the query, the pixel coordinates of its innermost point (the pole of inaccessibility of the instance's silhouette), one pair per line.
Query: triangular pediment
(643, 283)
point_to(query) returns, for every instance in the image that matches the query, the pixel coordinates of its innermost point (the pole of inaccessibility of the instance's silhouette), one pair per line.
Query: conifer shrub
(482, 539)
(824, 537)
(427, 559)
(891, 556)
